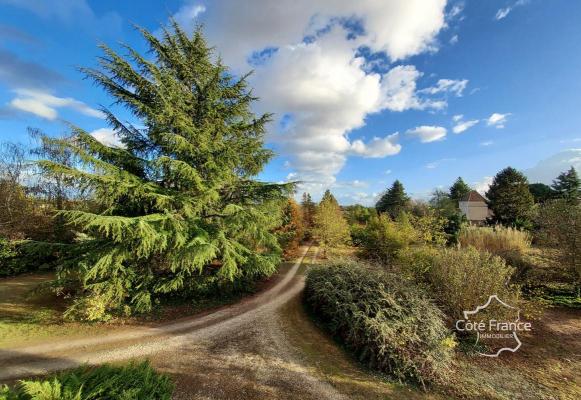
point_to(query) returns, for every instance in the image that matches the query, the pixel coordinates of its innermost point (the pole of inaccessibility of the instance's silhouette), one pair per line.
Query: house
(474, 207)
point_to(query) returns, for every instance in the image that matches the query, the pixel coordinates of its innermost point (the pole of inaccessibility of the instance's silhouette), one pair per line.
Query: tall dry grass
(498, 240)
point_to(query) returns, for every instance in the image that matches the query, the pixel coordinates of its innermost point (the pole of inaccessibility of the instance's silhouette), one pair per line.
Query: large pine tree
(509, 198)
(393, 201)
(178, 201)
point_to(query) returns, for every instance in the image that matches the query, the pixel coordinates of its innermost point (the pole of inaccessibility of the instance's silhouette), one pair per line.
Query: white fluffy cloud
(497, 120)
(377, 147)
(45, 105)
(483, 185)
(107, 136)
(322, 89)
(428, 134)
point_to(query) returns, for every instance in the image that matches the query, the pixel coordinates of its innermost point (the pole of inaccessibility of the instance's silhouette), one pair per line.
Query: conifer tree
(331, 228)
(178, 202)
(308, 208)
(541, 192)
(458, 190)
(509, 198)
(567, 185)
(394, 200)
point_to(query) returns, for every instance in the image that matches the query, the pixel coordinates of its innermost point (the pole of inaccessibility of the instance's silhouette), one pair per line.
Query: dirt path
(243, 340)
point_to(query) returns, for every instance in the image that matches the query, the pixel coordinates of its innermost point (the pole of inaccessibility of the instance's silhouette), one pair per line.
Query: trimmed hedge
(130, 382)
(386, 321)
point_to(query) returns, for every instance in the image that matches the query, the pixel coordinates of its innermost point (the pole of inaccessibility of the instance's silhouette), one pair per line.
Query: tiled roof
(473, 196)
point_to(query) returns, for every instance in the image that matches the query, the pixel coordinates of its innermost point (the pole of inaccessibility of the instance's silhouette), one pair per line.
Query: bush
(497, 240)
(383, 238)
(384, 319)
(459, 279)
(133, 381)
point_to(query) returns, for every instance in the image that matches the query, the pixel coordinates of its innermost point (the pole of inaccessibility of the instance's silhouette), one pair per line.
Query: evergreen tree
(331, 228)
(178, 204)
(568, 186)
(541, 192)
(394, 200)
(509, 198)
(308, 208)
(458, 190)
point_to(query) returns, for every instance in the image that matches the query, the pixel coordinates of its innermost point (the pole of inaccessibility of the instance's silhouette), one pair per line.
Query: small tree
(568, 186)
(393, 201)
(290, 233)
(331, 228)
(559, 224)
(509, 198)
(458, 190)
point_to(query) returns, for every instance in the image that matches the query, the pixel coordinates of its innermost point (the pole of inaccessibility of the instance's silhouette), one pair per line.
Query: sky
(363, 92)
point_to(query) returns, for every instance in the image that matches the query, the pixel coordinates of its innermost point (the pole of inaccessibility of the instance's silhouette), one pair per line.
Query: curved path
(238, 351)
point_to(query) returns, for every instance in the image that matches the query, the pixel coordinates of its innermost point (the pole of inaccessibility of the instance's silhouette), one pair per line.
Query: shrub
(459, 279)
(498, 240)
(384, 319)
(560, 228)
(383, 238)
(133, 381)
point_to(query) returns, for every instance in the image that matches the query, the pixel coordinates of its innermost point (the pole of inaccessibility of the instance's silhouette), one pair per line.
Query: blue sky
(363, 92)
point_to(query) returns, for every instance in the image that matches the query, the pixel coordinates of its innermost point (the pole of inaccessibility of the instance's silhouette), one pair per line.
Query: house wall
(474, 210)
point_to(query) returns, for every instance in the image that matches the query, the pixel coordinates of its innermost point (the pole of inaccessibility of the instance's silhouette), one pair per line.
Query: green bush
(130, 382)
(459, 279)
(384, 319)
(383, 238)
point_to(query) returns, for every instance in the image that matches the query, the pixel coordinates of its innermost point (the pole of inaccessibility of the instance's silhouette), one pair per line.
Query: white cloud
(462, 126)
(497, 120)
(486, 143)
(401, 28)
(456, 10)
(546, 170)
(428, 134)
(502, 13)
(45, 105)
(107, 136)
(387, 171)
(322, 87)
(457, 117)
(483, 185)
(377, 147)
(34, 107)
(454, 39)
(454, 86)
